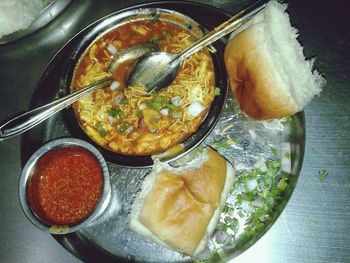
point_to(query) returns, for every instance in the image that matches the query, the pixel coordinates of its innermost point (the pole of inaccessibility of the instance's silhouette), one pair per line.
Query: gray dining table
(315, 224)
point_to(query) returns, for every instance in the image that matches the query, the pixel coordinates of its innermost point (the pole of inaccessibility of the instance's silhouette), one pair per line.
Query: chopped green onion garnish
(288, 118)
(157, 105)
(322, 174)
(154, 40)
(287, 155)
(115, 113)
(124, 101)
(155, 18)
(221, 144)
(170, 106)
(274, 151)
(313, 221)
(101, 130)
(122, 128)
(282, 184)
(139, 114)
(166, 34)
(217, 91)
(160, 103)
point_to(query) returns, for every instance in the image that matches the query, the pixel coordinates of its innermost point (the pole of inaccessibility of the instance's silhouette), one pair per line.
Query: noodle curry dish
(122, 119)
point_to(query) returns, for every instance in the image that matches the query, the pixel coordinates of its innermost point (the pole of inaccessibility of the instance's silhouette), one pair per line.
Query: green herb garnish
(288, 118)
(160, 103)
(166, 34)
(287, 155)
(282, 184)
(254, 208)
(170, 106)
(122, 128)
(274, 151)
(217, 91)
(115, 113)
(157, 105)
(124, 101)
(322, 174)
(313, 221)
(221, 144)
(101, 130)
(155, 18)
(154, 40)
(139, 114)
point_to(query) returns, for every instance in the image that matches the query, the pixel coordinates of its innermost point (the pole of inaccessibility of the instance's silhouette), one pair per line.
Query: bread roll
(266, 66)
(180, 207)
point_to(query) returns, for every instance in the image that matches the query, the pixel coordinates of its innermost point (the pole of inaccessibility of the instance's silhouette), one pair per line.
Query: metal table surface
(315, 224)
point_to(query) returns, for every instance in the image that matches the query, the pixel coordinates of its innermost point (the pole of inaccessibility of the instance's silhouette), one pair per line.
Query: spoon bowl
(166, 67)
(157, 70)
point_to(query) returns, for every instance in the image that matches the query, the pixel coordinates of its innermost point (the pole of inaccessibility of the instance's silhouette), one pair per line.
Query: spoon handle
(27, 120)
(225, 28)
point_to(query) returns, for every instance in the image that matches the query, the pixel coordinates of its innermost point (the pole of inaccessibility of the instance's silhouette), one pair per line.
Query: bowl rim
(28, 170)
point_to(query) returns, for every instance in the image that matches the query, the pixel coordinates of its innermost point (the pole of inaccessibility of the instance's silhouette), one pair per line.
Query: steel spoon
(23, 122)
(157, 70)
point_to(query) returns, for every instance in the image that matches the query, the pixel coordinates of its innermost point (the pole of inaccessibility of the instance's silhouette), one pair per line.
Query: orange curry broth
(65, 186)
(122, 38)
(128, 37)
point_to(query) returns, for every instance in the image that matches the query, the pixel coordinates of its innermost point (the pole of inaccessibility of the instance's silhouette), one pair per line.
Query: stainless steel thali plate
(269, 153)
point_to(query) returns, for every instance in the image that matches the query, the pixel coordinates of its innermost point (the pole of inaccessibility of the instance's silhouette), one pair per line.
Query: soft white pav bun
(266, 66)
(180, 207)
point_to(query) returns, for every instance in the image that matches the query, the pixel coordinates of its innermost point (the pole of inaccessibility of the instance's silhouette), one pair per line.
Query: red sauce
(65, 186)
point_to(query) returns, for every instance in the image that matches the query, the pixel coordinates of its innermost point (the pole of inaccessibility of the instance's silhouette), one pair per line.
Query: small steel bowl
(28, 171)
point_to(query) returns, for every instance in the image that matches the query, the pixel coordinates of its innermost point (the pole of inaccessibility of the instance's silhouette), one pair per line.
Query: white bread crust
(266, 66)
(136, 226)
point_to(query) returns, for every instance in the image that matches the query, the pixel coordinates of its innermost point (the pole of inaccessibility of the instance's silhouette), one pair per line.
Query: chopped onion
(195, 108)
(110, 119)
(252, 134)
(129, 129)
(142, 106)
(262, 218)
(176, 100)
(152, 130)
(164, 112)
(115, 84)
(112, 48)
(286, 164)
(258, 203)
(247, 207)
(251, 184)
(270, 200)
(118, 98)
(222, 237)
(239, 166)
(231, 200)
(177, 114)
(261, 164)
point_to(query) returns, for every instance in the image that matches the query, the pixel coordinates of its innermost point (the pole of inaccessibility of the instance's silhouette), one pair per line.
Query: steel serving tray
(108, 239)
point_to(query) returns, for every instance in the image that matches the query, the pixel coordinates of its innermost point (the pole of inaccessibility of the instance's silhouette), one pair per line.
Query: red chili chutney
(65, 186)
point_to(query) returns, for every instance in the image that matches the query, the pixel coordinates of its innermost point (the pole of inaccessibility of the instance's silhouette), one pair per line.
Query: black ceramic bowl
(105, 25)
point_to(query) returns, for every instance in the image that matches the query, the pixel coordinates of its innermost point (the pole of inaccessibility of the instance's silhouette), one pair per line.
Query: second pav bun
(180, 207)
(267, 69)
